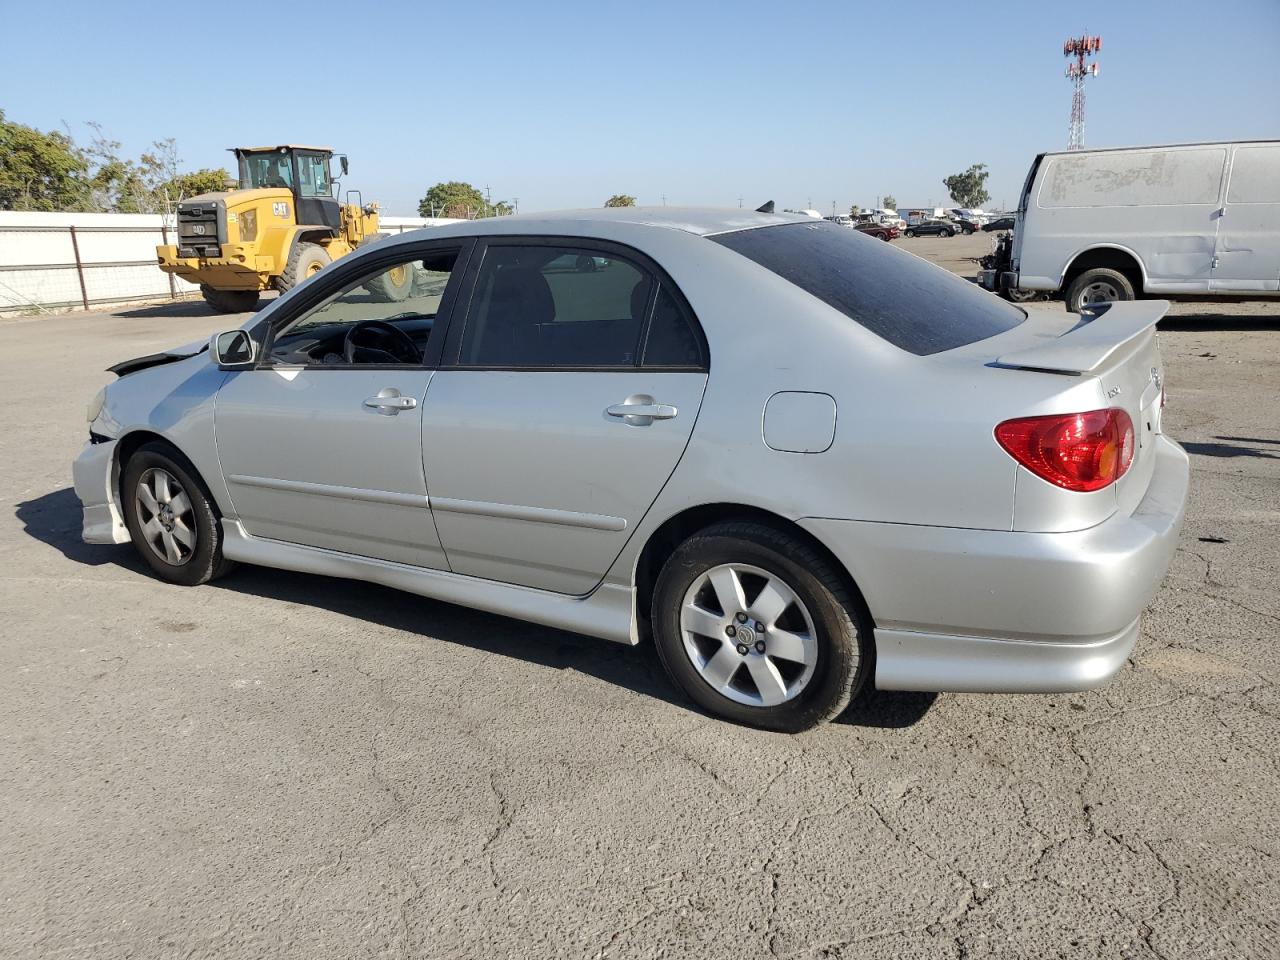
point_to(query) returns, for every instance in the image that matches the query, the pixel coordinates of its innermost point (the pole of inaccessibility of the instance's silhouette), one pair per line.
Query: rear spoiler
(1101, 332)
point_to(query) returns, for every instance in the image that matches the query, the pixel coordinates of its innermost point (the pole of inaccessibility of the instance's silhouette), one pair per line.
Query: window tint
(542, 306)
(897, 296)
(673, 340)
(405, 295)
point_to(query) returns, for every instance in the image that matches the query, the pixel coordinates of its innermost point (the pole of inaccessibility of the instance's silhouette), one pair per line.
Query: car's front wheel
(755, 626)
(171, 518)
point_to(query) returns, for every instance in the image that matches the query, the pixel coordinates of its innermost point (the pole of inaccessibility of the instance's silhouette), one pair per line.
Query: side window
(384, 317)
(673, 339)
(545, 306)
(313, 176)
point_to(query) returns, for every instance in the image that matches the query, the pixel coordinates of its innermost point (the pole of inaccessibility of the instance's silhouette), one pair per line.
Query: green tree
(621, 200)
(40, 171)
(453, 199)
(854, 210)
(969, 189)
(192, 184)
(890, 203)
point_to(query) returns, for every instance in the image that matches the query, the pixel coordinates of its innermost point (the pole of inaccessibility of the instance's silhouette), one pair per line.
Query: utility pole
(739, 203)
(664, 199)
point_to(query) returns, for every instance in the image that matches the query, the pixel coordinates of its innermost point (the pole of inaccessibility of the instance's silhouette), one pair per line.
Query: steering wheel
(376, 341)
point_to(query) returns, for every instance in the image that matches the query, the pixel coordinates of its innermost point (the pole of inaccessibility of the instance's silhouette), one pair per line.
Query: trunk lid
(1113, 347)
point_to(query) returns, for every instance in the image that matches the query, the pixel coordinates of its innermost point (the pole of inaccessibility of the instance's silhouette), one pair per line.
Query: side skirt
(604, 613)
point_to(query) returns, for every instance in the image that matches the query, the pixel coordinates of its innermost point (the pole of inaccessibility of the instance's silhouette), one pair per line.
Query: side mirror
(342, 162)
(232, 350)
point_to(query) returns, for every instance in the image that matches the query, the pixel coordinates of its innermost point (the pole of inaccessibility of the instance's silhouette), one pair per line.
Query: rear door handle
(640, 410)
(389, 402)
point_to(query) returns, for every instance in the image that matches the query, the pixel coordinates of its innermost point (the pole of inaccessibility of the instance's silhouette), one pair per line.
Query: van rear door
(1247, 255)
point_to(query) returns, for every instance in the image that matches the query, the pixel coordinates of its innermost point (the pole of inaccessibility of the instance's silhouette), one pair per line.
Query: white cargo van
(1099, 225)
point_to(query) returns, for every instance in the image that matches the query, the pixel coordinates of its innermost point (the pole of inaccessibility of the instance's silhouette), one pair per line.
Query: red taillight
(1075, 451)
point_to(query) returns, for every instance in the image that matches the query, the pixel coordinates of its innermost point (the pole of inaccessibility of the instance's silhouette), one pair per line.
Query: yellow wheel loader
(282, 225)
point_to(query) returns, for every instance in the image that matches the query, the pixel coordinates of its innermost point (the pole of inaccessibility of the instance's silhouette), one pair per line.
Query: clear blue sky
(562, 104)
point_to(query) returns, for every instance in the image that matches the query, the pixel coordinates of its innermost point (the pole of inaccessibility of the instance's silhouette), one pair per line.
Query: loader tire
(305, 260)
(229, 301)
(393, 284)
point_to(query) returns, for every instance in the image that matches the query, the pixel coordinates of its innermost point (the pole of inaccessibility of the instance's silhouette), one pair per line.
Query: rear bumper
(93, 473)
(1003, 612)
(237, 269)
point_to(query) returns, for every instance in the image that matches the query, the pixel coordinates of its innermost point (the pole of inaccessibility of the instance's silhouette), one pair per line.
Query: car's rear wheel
(172, 520)
(1096, 286)
(755, 626)
(910, 233)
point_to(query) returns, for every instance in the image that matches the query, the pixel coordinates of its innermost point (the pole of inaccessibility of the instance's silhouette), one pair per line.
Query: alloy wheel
(165, 516)
(748, 634)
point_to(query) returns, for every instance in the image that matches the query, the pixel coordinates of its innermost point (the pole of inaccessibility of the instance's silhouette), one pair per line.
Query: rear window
(897, 296)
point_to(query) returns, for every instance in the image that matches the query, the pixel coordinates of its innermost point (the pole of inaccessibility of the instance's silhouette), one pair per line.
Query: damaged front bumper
(94, 473)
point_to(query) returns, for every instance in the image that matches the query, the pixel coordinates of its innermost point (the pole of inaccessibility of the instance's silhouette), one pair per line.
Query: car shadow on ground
(55, 519)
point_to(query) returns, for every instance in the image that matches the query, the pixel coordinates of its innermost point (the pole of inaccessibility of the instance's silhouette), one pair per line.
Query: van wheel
(1099, 285)
(755, 626)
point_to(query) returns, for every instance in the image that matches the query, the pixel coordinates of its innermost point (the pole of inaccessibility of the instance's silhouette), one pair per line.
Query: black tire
(843, 635)
(1086, 288)
(909, 233)
(393, 284)
(229, 301)
(305, 260)
(948, 233)
(205, 560)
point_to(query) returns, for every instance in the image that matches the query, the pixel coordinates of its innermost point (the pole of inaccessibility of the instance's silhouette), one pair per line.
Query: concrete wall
(117, 256)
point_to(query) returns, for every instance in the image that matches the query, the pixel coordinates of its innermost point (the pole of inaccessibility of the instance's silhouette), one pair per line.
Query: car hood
(126, 367)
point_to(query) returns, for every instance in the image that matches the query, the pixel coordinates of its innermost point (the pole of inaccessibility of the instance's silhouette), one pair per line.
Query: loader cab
(303, 171)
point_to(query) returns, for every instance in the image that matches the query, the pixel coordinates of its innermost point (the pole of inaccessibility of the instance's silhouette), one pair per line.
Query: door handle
(389, 402)
(640, 410)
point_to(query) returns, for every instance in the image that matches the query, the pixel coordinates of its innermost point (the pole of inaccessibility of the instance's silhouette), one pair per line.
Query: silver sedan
(801, 460)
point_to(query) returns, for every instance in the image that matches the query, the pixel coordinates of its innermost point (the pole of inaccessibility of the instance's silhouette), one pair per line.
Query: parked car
(908, 482)
(968, 226)
(881, 231)
(999, 223)
(933, 228)
(1105, 225)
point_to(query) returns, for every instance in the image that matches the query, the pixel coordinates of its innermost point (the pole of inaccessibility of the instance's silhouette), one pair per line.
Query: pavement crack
(505, 815)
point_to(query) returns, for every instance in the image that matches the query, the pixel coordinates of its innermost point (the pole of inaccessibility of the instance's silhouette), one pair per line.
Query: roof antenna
(765, 207)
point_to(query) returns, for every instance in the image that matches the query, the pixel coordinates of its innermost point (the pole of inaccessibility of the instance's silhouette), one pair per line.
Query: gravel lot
(282, 766)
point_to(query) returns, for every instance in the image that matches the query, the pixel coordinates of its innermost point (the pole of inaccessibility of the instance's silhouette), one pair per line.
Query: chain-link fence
(56, 261)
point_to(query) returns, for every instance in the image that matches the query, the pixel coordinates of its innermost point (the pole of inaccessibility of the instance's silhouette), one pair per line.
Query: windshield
(266, 170)
(896, 295)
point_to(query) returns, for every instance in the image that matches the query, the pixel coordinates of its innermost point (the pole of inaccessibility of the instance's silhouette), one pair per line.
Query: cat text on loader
(280, 227)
